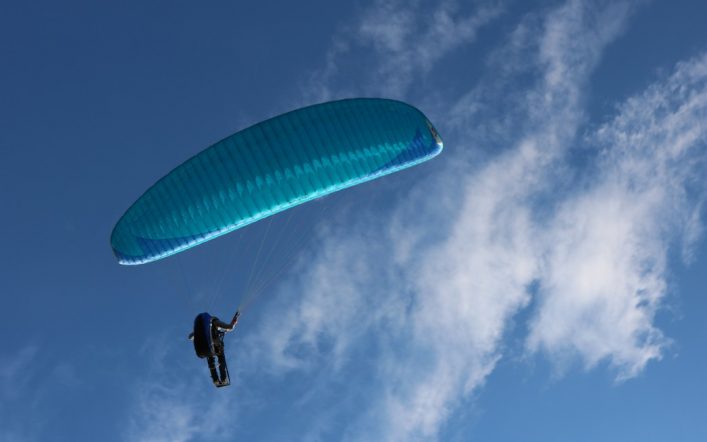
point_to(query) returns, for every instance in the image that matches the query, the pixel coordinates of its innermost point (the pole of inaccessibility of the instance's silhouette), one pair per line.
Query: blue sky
(542, 279)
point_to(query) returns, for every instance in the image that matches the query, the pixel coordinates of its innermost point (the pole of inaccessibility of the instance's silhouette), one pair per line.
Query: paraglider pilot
(208, 343)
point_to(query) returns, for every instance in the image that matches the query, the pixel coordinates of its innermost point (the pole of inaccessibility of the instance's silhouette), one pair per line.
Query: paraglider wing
(272, 166)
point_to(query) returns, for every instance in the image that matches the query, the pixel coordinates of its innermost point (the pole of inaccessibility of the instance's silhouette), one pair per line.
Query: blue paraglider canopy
(270, 167)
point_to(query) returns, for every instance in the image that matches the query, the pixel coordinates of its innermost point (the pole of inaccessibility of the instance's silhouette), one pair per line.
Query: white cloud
(607, 272)
(597, 251)
(176, 402)
(17, 371)
(410, 37)
(13, 369)
(452, 293)
(401, 40)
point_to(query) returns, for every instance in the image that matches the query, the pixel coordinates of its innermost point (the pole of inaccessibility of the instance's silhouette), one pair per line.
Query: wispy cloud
(400, 42)
(594, 246)
(175, 402)
(16, 374)
(31, 379)
(606, 272)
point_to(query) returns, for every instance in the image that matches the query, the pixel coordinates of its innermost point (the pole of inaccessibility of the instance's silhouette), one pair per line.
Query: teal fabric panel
(269, 167)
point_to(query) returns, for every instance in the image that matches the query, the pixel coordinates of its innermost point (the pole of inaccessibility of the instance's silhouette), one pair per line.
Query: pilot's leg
(223, 369)
(212, 368)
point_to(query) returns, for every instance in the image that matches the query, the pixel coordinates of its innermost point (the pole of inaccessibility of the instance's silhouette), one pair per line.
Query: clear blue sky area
(543, 279)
